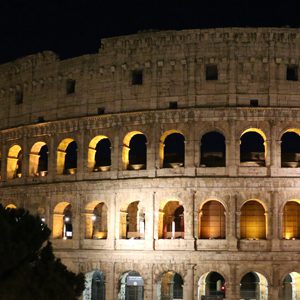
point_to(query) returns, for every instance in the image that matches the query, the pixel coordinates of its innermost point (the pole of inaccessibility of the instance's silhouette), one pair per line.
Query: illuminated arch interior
(211, 284)
(14, 162)
(171, 221)
(134, 153)
(10, 206)
(96, 220)
(67, 157)
(212, 221)
(253, 147)
(290, 148)
(170, 286)
(253, 221)
(254, 286)
(62, 221)
(291, 220)
(99, 154)
(172, 149)
(132, 222)
(213, 150)
(38, 159)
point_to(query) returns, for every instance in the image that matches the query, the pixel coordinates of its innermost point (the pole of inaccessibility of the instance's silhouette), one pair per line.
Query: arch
(253, 147)
(134, 153)
(14, 162)
(212, 220)
(170, 286)
(254, 285)
(213, 150)
(131, 286)
(99, 154)
(253, 221)
(172, 149)
(290, 148)
(290, 288)
(211, 285)
(67, 157)
(132, 222)
(94, 286)
(171, 221)
(62, 221)
(291, 220)
(96, 220)
(38, 159)
(10, 206)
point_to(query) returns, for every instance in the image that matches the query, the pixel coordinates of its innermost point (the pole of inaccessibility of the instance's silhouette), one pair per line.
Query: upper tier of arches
(142, 151)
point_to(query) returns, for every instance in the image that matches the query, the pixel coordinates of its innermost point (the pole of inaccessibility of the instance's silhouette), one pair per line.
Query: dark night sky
(71, 28)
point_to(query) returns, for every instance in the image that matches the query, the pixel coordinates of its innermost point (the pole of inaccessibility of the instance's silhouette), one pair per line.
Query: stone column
(231, 224)
(33, 163)
(188, 221)
(232, 98)
(268, 150)
(275, 222)
(188, 287)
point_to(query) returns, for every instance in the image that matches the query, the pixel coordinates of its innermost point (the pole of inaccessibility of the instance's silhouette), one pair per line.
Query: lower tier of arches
(170, 275)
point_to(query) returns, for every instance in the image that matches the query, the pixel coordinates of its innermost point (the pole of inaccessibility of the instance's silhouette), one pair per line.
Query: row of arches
(253, 149)
(212, 221)
(211, 286)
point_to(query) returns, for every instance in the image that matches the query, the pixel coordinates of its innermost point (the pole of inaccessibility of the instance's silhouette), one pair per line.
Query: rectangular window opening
(137, 77)
(211, 72)
(292, 73)
(70, 86)
(254, 102)
(19, 97)
(100, 110)
(173, 105)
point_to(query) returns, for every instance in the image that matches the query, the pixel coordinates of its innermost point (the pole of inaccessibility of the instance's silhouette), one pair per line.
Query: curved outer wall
(251, 65)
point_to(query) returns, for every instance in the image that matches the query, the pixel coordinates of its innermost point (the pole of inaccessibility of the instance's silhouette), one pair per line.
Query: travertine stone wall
(252, 65)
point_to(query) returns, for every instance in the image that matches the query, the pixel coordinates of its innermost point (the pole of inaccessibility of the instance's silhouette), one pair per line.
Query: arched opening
(172, 150)
(211, 286)
(38, 159)
(253, 221)
(290, 149)
(132, 222)
(96, 221)
(212, 221)
(99, 154)
(62, 221)
(213, 150)
(172, 221)
(131, 286)
(170, 287)
(10, 206)
(291, 220)
(252, 148)
(14, 162)
(67, 157)
(134, 151)
(290, 289)
(94, 286)
(254, 286)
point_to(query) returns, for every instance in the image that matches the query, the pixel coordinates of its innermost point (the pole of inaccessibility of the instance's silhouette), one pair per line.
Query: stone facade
(252, 64)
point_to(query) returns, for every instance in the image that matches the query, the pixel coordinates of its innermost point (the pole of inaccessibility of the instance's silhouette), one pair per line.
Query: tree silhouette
(28, 267)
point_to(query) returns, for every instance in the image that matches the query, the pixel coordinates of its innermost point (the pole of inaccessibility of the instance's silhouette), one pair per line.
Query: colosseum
(167, 164)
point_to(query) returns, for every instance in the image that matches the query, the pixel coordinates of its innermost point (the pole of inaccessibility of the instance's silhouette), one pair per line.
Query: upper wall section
(156, 70)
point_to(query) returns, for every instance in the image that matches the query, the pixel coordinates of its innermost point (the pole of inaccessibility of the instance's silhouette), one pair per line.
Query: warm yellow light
(100, 235)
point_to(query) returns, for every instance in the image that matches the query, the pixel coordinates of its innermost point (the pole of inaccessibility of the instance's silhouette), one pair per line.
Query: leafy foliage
(28, 267)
